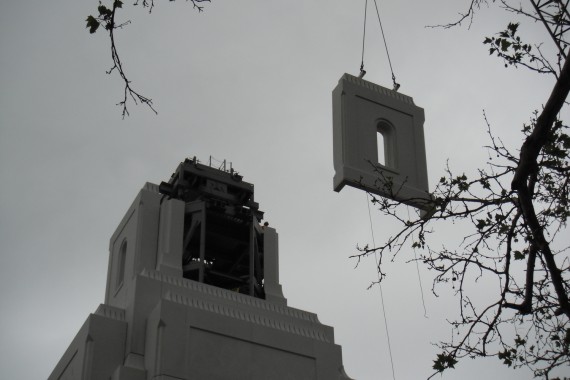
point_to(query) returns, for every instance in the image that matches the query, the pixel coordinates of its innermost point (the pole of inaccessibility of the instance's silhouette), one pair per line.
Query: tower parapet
(193, 293)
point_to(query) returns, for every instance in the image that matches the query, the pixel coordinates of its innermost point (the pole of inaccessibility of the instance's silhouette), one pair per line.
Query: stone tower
(193, 293)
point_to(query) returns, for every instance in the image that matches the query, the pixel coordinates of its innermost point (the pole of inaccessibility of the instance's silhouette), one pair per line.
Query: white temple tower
(193, 293)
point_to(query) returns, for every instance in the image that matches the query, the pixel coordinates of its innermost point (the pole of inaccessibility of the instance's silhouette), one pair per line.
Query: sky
(248, 81)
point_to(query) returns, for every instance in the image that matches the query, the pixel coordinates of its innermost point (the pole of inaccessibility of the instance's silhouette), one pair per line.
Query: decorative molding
(377, 88)
(151, 187)
(111, 312)
(243, 307)
(316, 331)
(231, 296)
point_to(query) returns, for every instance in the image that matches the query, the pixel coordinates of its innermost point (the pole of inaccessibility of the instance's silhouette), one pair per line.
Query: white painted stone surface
(157, 325)
(361, 110)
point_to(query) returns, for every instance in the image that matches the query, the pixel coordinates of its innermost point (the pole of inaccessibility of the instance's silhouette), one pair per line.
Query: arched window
(121, 259)
(381, 153)
(385, 139)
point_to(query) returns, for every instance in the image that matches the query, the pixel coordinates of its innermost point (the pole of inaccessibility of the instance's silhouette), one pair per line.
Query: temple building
(193, 293)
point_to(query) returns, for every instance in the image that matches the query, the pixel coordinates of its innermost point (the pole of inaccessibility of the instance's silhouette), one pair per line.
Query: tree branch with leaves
(517, 208)
(106, 17)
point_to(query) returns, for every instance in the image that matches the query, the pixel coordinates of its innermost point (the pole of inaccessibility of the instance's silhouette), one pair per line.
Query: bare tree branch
(107, 18)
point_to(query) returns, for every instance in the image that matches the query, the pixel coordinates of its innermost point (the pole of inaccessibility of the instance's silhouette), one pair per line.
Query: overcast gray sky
(249, 81)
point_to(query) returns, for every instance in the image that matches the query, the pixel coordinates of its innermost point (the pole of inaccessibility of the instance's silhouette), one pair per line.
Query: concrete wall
(157, 325)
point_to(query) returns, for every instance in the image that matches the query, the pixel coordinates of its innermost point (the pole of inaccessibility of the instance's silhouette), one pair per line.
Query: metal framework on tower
(223, 240)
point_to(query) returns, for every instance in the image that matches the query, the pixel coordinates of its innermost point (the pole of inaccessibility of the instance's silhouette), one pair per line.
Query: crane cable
(362, 71)
(418, 272)
(380, 287)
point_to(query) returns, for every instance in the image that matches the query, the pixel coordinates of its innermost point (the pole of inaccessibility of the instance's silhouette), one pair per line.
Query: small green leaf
(520, 341)
(92, 24)
(519, 255)
(444, 361)
(505, 45)
(104, 12)
(506, 357)
(481, 223)
(118, 4)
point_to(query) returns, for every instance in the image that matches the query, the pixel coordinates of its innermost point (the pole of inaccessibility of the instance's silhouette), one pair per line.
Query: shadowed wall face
(193, 293)
(378, 142)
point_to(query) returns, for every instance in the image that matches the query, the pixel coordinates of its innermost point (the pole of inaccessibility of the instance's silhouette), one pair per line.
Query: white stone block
(361, 112)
